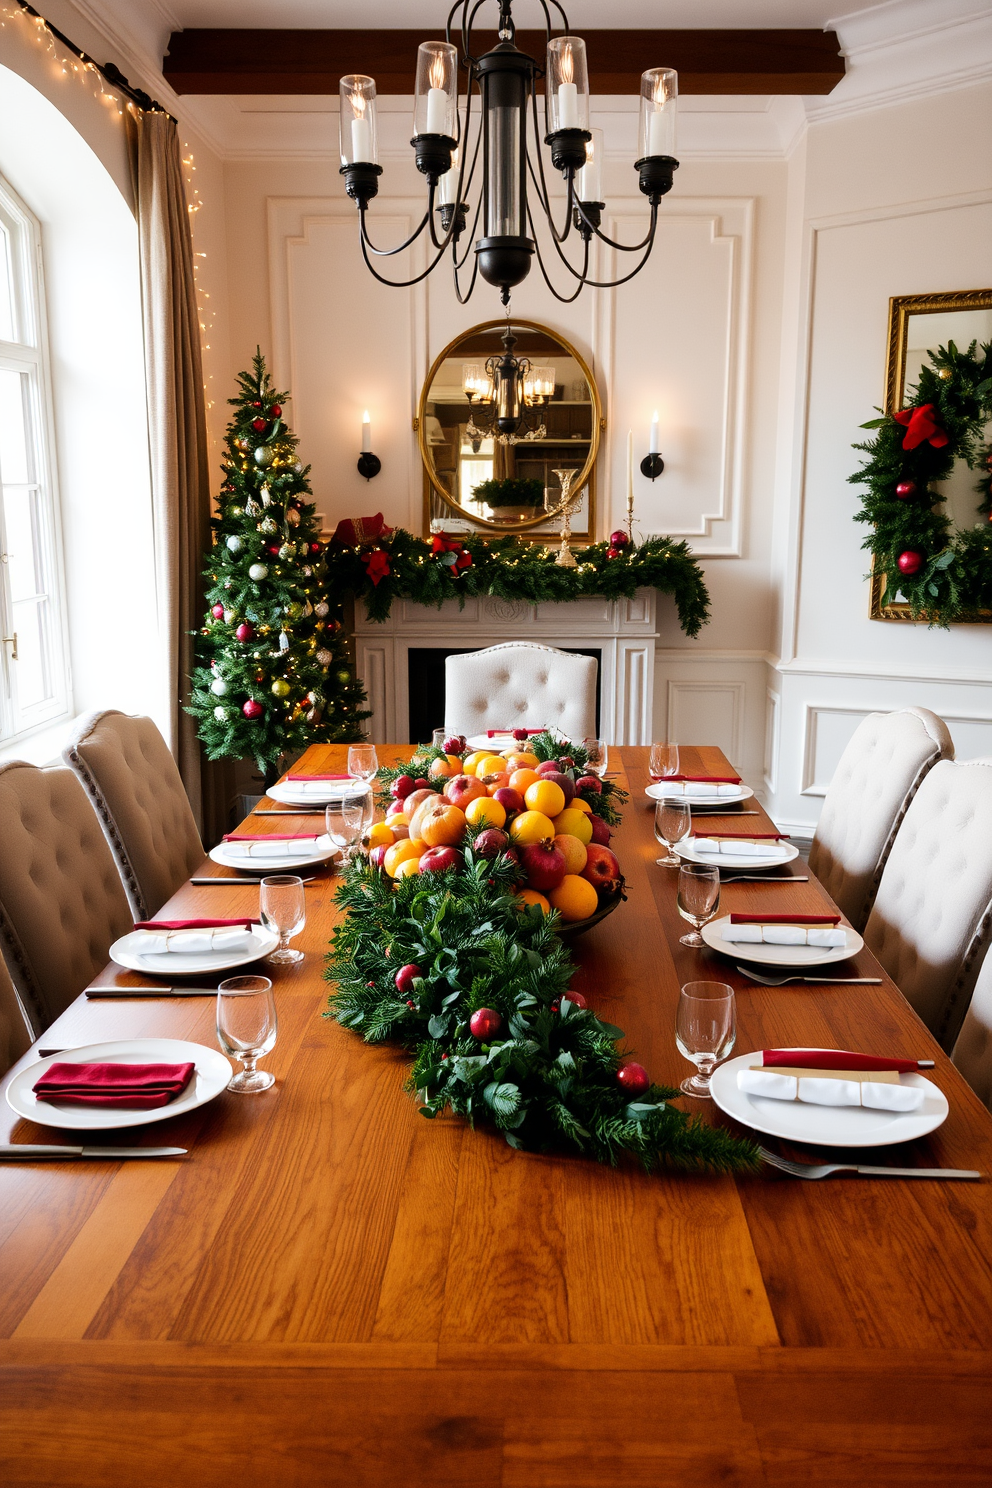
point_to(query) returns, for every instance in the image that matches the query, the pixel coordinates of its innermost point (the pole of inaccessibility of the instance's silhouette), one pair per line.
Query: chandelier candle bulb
(568, 83)
(659, 102)
(591, 176)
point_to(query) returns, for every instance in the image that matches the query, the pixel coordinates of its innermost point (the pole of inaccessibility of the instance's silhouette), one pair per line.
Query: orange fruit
(544, 795)
(574, 898)
(493, 783)
(485, 812)
(442, 825)
(441, 769)
(490, 764)
(521, 779)
(409, 847)
(532, 826)
(573, 850)
(381, 836)
(577, 804)
(523, 761)
(408, 867)
(572, 823)
(531, 896)
(470, 761)
(397, 818)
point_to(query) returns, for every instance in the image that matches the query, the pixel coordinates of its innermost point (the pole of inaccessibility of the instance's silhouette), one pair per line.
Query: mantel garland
(476, 988)
(400, 565)
(944, 575)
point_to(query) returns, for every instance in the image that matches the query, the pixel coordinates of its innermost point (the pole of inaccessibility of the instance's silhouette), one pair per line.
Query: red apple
(484, 1023)
(602, 868)
(461, 790)
(401, 787)
(577, 998)
(377, 857)
(589, 783)
(421, 783)
(633, 1078)
(511, 800)
(404, 978)
(417, 798)
(601, 833)
(550, 767)
(440, 860)
(565, 781)
(544, 865)
(490, 843)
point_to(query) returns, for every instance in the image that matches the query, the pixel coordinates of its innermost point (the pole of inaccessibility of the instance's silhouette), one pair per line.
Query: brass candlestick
(566, 506)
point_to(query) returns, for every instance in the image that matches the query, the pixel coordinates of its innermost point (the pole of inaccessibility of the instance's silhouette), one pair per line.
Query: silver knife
(151, 991)
(30, 1151)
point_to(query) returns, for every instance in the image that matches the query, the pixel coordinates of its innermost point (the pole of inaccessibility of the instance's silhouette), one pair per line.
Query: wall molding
(735, 691)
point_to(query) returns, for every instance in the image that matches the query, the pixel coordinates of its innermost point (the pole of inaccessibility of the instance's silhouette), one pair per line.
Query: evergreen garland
(411, 567)
(954, 577)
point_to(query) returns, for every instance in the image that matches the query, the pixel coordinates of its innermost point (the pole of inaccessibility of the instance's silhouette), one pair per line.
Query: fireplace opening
(425, 674)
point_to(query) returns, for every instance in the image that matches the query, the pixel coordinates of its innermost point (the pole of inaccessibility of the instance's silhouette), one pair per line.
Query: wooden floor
(330, 1289)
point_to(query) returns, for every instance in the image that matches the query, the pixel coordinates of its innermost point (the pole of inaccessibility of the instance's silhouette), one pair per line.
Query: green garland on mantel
(402, 566)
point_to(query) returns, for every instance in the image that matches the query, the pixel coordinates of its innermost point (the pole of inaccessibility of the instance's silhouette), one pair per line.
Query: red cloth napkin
(833, 1059)
(784, 919)
(709, 779)
(267, 836)
(318, 777)
(194, 924)
(132, 1087)
(745, 836)
(492, 733)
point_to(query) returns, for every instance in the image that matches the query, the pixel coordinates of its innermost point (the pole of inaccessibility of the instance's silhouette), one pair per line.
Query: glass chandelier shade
(659, 103)
(435, 109)
(358, 124)
(567, 84)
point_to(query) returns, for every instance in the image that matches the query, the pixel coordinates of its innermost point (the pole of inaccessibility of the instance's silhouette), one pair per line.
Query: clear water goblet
(343, 820)
(362, 761)
(246, 1029)
(597, 754)
(283, 908)
(698, 899)
(438, 737)
(664, 760)
(672, 821)
(705, 1031)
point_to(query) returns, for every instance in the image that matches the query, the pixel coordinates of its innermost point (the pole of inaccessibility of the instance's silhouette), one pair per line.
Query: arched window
(33, 673)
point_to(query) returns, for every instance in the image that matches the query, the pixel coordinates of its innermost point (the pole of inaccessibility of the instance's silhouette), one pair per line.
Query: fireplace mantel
(623, 630)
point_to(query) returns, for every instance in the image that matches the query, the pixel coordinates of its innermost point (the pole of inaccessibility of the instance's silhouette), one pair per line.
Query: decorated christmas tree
(274, 674)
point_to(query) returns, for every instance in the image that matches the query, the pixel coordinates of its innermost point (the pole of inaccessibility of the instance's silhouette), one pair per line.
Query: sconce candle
(368, 463)
(654, 447)
(366, 433)
(652, 465)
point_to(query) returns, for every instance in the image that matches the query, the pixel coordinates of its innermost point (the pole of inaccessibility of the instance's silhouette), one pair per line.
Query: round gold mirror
(509, 415)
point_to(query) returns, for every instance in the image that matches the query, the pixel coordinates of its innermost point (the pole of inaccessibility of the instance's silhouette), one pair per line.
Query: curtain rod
(107, 70)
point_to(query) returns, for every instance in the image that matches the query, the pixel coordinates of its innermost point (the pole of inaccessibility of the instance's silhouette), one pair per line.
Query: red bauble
(577, 998)
(485, 1023)
(258, 425)
(257, 403)
(619, 539)
(275, 411)
(905, 489)
(273, 548)
(315, 547)
(909, 563)
(633, 1079)
(613, 552)
(217, 611)
(405, 976)
(244, 631)
(252, 710)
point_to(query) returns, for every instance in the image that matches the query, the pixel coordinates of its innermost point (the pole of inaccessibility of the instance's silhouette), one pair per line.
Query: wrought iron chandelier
(504, 148)
(511, 393)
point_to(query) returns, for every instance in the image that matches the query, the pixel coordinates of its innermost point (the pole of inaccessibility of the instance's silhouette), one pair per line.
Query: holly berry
(905, 489)
(252, 710)
(258, 425)
(405, 977)
(556, 1005)
(275, 411)
(244, 632)
(909, 562)
(619, 539)
(633, 1078)
(485, 1023)
(217, 611)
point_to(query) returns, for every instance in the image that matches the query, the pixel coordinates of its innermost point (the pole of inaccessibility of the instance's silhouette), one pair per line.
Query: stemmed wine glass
(664, 760)
(283, 908)
(438, 737)
(698, 898)
(672, 821)
(705, 1031)
(246, 1028)
(362, 761)
(597, 753)
(346, 820)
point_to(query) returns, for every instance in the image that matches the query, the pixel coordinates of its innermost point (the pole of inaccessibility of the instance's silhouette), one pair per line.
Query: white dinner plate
(175, 964)
(657, 792)
(483, 741)
(319, 852)
(291, 793)
(799, 957)
(211, 1076)
(826, 1126)
(687, 849)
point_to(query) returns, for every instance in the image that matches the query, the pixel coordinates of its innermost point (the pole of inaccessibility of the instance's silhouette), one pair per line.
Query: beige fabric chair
(62, 904)
(878, 775)
(932, 918)
(973, 1050)
(130, 776)
(520, 685)
(15, 1035)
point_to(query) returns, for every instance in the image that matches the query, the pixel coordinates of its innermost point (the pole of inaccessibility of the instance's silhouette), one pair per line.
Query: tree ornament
(258, 572)
(242, 444)
(283, 641)
(619, 539)
(325, 658)
(217, 611)
(945, 374)
(264, 456)
(220, 714)
(218, 687)
(613, 552)
(344, 678)
(266, 496)
(292, 516)
(234, 543)
(256, 403)
(245, 631)
(322, 609)
(287, 551)
(252, 508)
(267, 525)
(909, 562)
(485, 1023)
(275, 411)
(633, 1079)
(281, 688)
(405, 977)
(921, 426)
(905, 489)
(252, 710)
(258, 425)
(298, 466)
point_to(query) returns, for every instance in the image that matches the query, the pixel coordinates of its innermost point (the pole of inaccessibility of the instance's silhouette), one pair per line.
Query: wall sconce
(652, 465)
(368, 463)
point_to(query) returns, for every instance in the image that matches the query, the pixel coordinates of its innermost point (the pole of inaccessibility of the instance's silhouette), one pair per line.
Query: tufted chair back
(973, 1050)
(878, 775)
(933, 912)
(126, 768)
(15, 1035)
(520, 685)
(61, 901)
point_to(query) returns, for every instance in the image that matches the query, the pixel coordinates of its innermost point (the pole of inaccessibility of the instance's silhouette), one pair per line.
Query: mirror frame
(901, 307)
(587, 475)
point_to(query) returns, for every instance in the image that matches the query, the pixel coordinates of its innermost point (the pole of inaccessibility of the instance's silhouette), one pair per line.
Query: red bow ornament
(450, 553)
(353, 531)
(921, 426)
(376, 564)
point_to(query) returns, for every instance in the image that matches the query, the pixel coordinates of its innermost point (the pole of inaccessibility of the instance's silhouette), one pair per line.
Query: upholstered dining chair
(973, 1049)
(62, 904)
(520, 684)
(878, 775)
(15, 1035)
(128, 772)
(932, 918)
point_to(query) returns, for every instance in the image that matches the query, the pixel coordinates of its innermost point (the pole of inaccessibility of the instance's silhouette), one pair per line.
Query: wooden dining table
(329, 1289)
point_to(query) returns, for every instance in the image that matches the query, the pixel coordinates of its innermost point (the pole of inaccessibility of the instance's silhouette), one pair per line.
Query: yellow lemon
(579, 805)
(407, 867)
(471, 761)
(574, 824)
(485, 812)
(381, 836)
(490, 764)
(544, 795)
(409, 847)
(532, 826)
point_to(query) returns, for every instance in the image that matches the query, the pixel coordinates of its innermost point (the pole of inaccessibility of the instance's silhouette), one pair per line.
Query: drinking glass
(345, 822)
(664, 760)
(362, 761)
(246, 1028)
(699, 898)
(438, 737)
(705, 1031)
(596, 756)
(283, 909)
(672, 820)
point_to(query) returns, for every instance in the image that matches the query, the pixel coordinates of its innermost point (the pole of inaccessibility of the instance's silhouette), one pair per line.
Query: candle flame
(567, 65)
(438, 71)
(358, 103)
(365, 417)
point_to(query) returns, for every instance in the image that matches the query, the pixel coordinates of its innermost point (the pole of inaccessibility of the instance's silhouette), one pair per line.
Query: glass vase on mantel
(565, 505)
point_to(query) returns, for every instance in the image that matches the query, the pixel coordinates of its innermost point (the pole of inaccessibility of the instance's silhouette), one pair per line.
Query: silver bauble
(220, 714)
(252, 508)
(234, 543)
(325, 658)
(228, 617)
(287, 550)
(322, 609)
(298, 467)
(263, 455)
(218, 687)
(258, 572)
(267, 526)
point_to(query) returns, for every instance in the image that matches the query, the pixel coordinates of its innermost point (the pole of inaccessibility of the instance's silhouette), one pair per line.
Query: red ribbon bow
(442, 545)
(353, 531)
(921, 426)
(377, 564)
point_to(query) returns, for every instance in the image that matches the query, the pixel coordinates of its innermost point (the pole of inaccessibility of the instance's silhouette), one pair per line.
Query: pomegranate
(589, 783)
(510, 799)
(490, 843)
(454, 744)
(377, 856)
(601, 833)
(564, 782)
(544, 865)
(602, 868)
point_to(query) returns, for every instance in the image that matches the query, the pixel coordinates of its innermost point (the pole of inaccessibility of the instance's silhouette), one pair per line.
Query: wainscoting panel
(707, 713)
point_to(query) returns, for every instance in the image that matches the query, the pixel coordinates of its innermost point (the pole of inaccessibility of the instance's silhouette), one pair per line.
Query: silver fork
(767, 981)
(824, 1170)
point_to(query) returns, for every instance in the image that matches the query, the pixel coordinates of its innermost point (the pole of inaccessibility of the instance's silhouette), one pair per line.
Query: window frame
(30, 355)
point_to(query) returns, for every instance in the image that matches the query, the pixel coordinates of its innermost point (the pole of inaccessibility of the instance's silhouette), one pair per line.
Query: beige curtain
(176, 418)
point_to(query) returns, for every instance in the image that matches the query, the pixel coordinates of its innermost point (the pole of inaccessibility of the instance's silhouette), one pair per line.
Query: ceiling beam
(245, 61)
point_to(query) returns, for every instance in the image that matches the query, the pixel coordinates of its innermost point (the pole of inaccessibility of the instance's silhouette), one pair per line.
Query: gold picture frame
(901, 308)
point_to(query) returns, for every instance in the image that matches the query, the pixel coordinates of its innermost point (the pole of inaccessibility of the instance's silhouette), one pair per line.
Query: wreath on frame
(943, 573)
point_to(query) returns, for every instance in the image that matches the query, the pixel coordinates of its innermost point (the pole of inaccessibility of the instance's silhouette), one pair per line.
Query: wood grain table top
(331, 1289)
